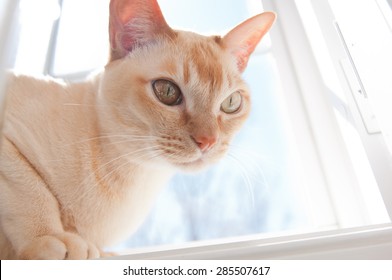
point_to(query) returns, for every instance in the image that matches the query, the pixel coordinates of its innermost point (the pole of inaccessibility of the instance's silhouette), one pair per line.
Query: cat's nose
(205, 143)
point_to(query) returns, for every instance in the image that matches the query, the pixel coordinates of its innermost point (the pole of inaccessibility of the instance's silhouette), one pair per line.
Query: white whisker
(135, 137)
(244, 176)
(252, 163)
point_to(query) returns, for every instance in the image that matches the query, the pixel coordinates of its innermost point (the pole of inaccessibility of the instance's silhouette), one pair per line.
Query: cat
(81, 163)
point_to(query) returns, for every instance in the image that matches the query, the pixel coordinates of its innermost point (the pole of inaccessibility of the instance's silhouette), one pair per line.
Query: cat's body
(59, 148)
(80, 164)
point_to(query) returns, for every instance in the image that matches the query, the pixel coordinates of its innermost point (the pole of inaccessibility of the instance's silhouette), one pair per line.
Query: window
(7, 19)
(354, 72)
(311, 158)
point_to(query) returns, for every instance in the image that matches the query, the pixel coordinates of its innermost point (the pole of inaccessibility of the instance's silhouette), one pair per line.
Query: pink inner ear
(133, 22)
(243, 39)
(244, 53)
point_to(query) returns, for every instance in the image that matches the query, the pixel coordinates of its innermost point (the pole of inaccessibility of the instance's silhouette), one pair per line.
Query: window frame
(370, 242)
(7, 26)
(320, 140)
(374, 144)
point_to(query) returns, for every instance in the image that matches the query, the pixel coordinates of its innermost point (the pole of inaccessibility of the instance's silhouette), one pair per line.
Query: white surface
(368, 38)
(373, 144)
(358, 243)
(7, 8)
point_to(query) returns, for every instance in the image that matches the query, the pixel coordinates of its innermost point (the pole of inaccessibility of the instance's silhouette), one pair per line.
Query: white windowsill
(371, 242)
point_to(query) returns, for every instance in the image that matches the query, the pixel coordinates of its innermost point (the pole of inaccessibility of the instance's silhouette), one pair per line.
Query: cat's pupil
(170, 91)
(167, 92)
(232, 104)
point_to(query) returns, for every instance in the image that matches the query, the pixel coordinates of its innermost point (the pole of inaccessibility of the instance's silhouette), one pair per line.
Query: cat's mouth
(190, 162)
(191, 157)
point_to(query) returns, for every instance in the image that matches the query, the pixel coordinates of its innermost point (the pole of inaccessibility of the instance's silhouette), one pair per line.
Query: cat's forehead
(202, 56)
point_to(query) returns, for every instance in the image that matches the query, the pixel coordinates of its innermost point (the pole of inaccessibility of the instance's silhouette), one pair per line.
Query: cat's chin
(192, 166)
(195, 165)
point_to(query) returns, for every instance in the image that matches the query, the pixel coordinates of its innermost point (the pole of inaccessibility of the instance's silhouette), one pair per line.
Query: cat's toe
(44, 248)
(61, 246)
(77, 247)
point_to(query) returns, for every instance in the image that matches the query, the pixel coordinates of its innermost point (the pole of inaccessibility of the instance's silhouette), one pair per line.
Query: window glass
(81, 45)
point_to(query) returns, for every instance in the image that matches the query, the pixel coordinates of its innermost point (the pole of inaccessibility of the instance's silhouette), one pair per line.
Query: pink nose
(205, 143)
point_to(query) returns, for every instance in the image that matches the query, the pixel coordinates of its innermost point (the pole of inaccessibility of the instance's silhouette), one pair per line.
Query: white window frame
(306, 95)
(317, 134)
(377, 151)
(362, 243)
(7, 22)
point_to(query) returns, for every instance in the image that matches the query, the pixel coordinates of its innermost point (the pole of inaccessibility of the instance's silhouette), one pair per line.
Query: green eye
(167, 92)
(232, 103)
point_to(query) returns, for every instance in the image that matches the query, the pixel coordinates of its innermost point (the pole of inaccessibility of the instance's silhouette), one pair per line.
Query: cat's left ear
(243, 39)
(134, 23)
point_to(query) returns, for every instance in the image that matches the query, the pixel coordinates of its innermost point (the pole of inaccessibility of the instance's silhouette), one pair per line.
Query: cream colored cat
(81, 163)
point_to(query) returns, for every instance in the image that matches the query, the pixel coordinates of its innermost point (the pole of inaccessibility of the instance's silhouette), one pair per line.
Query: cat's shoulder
(17, 80)
(26, 89)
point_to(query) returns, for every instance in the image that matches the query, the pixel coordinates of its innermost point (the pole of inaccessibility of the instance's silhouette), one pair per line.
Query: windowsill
(370, 242)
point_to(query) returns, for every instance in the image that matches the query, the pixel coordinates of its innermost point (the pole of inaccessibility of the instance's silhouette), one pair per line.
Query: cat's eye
(232, 103)
(167, 92)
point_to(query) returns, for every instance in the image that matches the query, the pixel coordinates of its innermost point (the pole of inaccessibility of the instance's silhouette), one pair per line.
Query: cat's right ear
(134, 23)
(242, 40)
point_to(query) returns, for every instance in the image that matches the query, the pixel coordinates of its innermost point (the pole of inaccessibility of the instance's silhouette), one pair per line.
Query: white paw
(61, 246)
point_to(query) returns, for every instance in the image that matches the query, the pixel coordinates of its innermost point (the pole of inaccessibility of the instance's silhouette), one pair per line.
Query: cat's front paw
(60, 247)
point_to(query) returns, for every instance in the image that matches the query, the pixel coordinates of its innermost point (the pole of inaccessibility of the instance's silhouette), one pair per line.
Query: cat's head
(177, 96)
